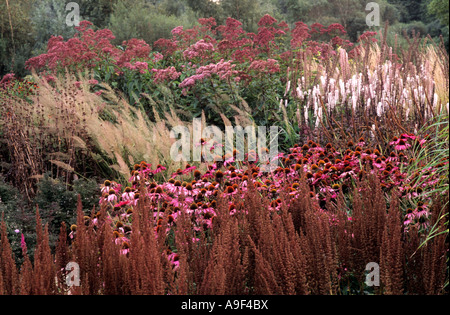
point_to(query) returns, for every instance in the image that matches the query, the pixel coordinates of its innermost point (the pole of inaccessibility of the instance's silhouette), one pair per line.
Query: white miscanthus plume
(343, 61)
(306, 114)
(354, 83)
(372, 132)
(420, 94)
(416, 95)
(288, 87)
(300, 94)
(343, 92)
(354, 101)
(315, 92)
(323, 79)
(330, 102)
(359, 85)
(318, 117)
(336, 96)
(379, 109)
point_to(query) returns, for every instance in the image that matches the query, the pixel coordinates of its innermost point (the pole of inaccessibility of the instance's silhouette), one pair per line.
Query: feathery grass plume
(103, 129)
(23, 144)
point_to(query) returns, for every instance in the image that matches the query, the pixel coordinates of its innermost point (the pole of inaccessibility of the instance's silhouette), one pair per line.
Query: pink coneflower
(400, 143)
(112, 197)
(174, 259)
(125, 249)
(128, 195)
(378, 163)
(422, 212)
(410, 215)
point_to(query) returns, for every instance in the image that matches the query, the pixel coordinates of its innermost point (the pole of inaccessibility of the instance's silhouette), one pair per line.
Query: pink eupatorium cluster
(206, 46)
(223, 69)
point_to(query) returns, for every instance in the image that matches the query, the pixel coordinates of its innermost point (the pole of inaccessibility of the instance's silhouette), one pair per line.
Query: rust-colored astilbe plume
(146, 274)
(368, 222)
(342, 231)
(225, 273)
(300, 249)
(276, 263)
(298, 206)
(321, 257)
(2, 287)
(86, 254)
(114, 265)
(194, 256)
(426, 265)
(43, 282)
(391, 253)
(8, 272)
(62, 258)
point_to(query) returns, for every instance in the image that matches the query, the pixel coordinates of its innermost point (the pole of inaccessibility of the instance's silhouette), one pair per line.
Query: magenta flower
(23, 244)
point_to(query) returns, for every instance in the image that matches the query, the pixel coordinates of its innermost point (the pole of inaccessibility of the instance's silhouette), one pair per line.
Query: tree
(16, 37)
(207, 9)
(245, 11)
(97, 12)
(439, 8)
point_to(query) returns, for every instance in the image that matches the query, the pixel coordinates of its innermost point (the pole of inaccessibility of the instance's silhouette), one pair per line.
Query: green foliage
(15, 34)
(245, 11)
(49, 18)
(56, 201)
(206, 8)
(26, 25)
(97, 12)
(440, 9)
(132, 19)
